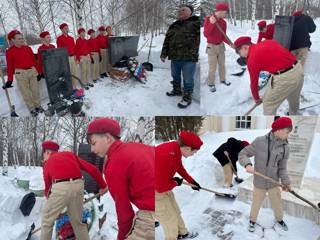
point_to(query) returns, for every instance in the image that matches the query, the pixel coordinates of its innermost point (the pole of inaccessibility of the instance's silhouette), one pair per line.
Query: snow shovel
(147, 65)
(237, 179)
(32, 231)
(253, 108)
(229, 195)
(12, 108)
(239, 74)
(290, 190)
(225, 35)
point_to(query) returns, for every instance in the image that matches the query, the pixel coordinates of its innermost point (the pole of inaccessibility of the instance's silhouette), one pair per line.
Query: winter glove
(92, 61)
(100, 58)
(8, 84)
(178, 180)
(39, 77)
(196, 187)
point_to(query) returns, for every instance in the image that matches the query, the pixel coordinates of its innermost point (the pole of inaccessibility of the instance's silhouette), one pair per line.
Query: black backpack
(27, 203)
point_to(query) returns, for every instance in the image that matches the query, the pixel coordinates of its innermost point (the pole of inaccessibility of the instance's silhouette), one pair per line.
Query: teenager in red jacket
(64, 187)
(286, 79)
(216, 48)
(129, 173)
(46, 40)
(95, 55)
(22, 64)
(265, 31)
(67, 42)
(103, 40)
(82, 51)
(168, 163)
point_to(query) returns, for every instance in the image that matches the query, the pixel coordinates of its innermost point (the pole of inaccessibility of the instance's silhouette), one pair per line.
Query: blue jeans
(188, 69)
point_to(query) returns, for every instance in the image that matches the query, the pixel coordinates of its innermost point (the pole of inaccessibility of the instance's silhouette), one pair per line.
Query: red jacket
(65, 165)
(103, 41)
(82, 48)
(268, 35)
(94, 45)
(168, 163)
(66, 42)
(213, 34)
(267, 56)
(42, 48)
(129, 172)
(19, 58)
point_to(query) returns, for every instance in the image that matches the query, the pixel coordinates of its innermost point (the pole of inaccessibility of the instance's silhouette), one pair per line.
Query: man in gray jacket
(271, 153)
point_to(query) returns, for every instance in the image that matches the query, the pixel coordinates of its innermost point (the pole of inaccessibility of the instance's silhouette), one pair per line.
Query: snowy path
(236, 98)
(214, 216)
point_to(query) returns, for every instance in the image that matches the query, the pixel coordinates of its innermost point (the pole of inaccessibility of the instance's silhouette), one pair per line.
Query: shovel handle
(235, 172)
(252, 108)
(205, 189)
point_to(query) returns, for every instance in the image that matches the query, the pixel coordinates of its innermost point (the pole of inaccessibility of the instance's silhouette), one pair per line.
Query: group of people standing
(90, 54)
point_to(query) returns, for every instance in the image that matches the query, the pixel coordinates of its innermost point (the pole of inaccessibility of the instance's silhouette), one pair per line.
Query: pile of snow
(218, 218)
(237, 98)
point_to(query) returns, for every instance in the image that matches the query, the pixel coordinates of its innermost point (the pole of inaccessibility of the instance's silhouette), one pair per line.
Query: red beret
(50, 145)
(222, 7)
(244, 143)
(190, 139)
(90, 31)
(262, 23)
(104, 125)
(12, 34)
(242, 41)
(80, 30)
(280, 123)
(63, 25)
(44, 34)
(298, 13)
(102, 28)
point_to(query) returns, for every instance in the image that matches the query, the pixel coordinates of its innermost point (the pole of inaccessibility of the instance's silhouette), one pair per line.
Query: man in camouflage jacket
(181, 46)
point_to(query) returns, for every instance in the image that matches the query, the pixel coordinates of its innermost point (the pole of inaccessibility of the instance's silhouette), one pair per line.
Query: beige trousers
(259, 195)
(143, 226)
(105, 63)
(216, 56)
(281, 87)
(169, 215)
(95, 74)
(65, 194)
(73, 71)
(28, 86)
(85, 63)
(301, 54)
(227, 174)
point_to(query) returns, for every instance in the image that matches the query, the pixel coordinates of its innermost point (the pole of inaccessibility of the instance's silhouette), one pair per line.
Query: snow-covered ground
(218, 218)
(14, 226)
(236, 99)
(111, 97)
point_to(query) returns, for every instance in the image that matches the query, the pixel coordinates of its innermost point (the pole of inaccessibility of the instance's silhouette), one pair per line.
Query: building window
(243, 122)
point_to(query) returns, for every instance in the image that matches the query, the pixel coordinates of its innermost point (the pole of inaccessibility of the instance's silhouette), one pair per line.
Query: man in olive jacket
(271, 153)
(181, 46)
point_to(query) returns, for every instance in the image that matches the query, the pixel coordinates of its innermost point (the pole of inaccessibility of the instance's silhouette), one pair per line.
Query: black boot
(176, 91)
(186, 99)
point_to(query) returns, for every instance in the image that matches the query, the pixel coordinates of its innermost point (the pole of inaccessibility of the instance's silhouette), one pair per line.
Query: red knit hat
(244, 143)
(222, 6)
(63, 25)
(50, 145)
(262, 24)
(90, 31)
(298, 13)
(190, 139)
(280, 123)
(80, 30)
(242, 41)
(12, 34)
(102, 28)
(104, 125)
(44, 34)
